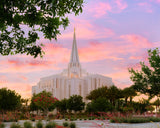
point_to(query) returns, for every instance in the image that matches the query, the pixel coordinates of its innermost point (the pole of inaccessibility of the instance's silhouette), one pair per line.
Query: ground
(98, 124)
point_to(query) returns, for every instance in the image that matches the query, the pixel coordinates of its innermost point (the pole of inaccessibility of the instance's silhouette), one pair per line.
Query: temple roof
(74, 54)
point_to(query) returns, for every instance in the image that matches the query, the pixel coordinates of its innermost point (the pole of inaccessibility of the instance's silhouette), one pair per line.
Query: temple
(72, 81)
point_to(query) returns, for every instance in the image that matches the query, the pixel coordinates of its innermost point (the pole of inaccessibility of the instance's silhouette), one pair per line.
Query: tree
(75, 103)
(101, 104)
(62, 105)
(100, 92)
(128, 92)
(40, 16)
(146, 80)
(45, 101)
(113, 94)
(9, 99)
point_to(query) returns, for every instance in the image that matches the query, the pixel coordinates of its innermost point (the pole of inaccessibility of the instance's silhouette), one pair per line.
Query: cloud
(137, 40)
(100, 9)
(86, 30)
(121, 5)
(146, 6)
(97, 51)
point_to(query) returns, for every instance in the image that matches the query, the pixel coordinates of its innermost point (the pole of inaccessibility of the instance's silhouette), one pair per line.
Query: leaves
(46, 16)
(147, 79)
(9, 100)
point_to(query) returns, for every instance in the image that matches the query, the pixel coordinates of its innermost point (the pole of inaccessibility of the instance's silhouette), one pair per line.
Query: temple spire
(74, 54)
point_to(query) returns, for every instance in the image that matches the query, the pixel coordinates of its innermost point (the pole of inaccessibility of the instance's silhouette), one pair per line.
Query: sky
(112, 36)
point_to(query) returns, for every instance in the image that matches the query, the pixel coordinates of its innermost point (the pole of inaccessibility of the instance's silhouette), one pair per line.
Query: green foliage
(75, 103)
(111, 93)
(134, 119)
(140, 106)
(100, 92)
(40, 16)
(51, 125)
(72, 125)
(147, 79)
(15, 125)
(43, 101)
(2, 125)
(99, 105)
(27, 124)
(128, 92)
(39, 124)
(9, 100)
(65, 124)
(62, 105)
(32, 119)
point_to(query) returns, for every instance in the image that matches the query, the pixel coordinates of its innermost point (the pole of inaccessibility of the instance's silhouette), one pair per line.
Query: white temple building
(73, 80)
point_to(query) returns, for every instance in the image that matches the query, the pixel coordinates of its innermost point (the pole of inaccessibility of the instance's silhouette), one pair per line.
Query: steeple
(74, 54)
(74, 67)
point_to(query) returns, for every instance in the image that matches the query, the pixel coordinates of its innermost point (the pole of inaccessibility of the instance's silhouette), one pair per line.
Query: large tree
(128, 93)
(62, 105)
(75, 103)
(99, 92)
(39, 16)
(9, 99)
(44, 101)
(147, 80)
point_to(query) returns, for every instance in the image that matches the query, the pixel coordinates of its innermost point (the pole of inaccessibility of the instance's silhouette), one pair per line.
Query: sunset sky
(112, 36)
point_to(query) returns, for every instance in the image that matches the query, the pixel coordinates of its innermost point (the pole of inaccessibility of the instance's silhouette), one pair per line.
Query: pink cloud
(23, 77)
(96, 51)
(24, 92)
(86, 30)
(146, 6)
(121, 4)
(137, 40)
(100, 9)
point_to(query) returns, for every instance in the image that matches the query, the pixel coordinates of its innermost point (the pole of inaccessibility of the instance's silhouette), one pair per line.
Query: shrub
(32, 119)
(50, 116)
(71, 119)
(154, 119)
(72, 125)
(51, 125)
(66, 119)
(2, 125)
(134, 120)
(65, 124)
(39, 124)
(15, 125)
(27, 124)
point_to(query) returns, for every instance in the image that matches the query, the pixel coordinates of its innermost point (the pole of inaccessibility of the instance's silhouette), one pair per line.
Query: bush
(50, 116)
(154, 119)
(15, 125)
(66, 119)
(32, 119)
(72, 119)
(134, 120)
(65, 124)
(72, 125)
(51, 125)
(39, 124)
(2, 125)
(27, 124)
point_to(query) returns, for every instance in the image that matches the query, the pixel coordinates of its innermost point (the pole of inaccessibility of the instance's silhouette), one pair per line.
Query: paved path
(97, 124)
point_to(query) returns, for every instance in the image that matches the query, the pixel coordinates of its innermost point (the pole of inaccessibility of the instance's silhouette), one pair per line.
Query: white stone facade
(73, 80)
